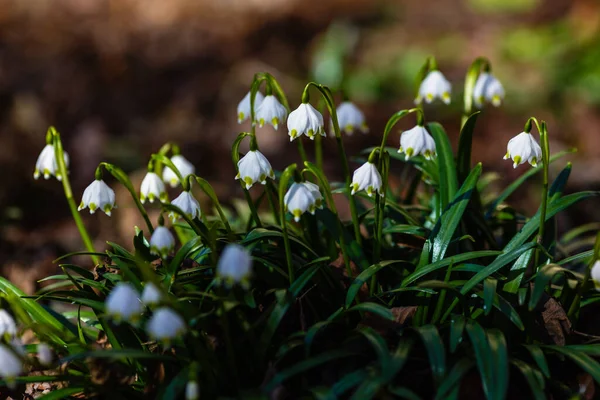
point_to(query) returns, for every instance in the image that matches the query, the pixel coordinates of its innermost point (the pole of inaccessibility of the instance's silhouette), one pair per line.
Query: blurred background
(118, 78)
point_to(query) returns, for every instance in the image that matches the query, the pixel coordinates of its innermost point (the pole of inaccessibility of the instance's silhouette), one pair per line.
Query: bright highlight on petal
(366, 178)
(162, 241)
(270, 111)
(243, 109)
(183, 165)
(305, 120)
(254, 167)
(165, 325)
(523, 148)
(186, 203)
(434, 86)
(98, 195)
(8, 326)
(152, 188)
(151, 294)
(595, 275)
(299, 199)
(417, 141)
(123, 303)
(235, 266)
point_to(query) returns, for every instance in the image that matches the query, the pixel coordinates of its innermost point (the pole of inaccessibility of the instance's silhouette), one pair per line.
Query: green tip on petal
(297, 213)
(240, 116)
(293, 133)
(92, 207)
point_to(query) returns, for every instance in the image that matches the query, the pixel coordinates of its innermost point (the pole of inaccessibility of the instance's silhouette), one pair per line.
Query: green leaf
(457, 326)
(454, 377)
(518, 270)
(540, 359)
(184, 252)
(504, 306)
(379, 345)
(543, 277)
(499, 363)
(585, 362)
(533, 378)
(374, 308)
(257, 234)
(346, 383)
(483, 356)
(465, 142)
(404, 393)
(489, 292)
(365, 276)
(448, 181)
(435, 351)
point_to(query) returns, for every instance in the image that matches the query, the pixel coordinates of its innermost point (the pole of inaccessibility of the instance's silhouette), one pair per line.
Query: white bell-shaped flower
(254, 167)
(183, 165)
(366, 178)
(235, 265)
(487, 88)
(316, 192)
(11, 365)
(434, 86)
(46, 163)
(270, 111)
(152, 188)
(162, 241)
(165, 325)
(523, 148)
(8, 326)
(151, 294)
(186, 203)
(123, 303)
(98, 195)
(417, 141)
(305, 120)
(192, 390)
(299, 199)
(595, 275)
(45, 355)
(243, 108)
(350, 118)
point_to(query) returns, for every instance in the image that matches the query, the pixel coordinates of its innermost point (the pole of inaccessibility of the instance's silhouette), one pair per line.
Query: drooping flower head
(152, 188)
(316, 192)
(523, 148)
(183, 165)
(151, 294)
(45, 355)
(123, 303)
(299, 199)
(8, 326)
(186, 203)
(305, 120)
(434, 86)
(366, 178)
(235, 266)
(417, 141)
(11, 365)
(46, 163)
(162, 241)
(254, 167)
(192, 390)
(270, 111)
(243, 108)
(350, 118)
(165, 325)
(595, 275)
(98, 195)
(487, 88)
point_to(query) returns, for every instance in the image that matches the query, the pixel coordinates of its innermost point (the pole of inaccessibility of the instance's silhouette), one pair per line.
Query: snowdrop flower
(123, 303)
(254, 167)
(595, 274)
(151, 294)
(8, 326)
(162, 241)
(186, 203)
(487, 88)
(305, 120)
(523, 147)
(417, 141)
(152, 188)
(46, 163)
(44, 354)
(192, 391)
(235, 265)
(98, 196)
(316, 192)
(366, 178)
(435, 85)
(270, 111)
(350, 118)
(299, 199)
(243, 108)
(10, 365)
(183, 165)
(165, 325)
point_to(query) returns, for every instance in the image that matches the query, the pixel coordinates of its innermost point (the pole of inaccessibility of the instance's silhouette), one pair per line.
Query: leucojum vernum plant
(435, 288)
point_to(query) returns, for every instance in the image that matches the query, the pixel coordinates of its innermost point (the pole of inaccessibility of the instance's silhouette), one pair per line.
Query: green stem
(62, 168)
(319, 152)
(285, 177)
(545, 145)
(252, 207)
(301, 150)
(271, 196)
(470, 80)
(210, 192)
(380, 208)
(228, 343)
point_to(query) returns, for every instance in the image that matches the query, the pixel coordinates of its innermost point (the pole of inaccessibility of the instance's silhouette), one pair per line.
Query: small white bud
(243, 108)
(235, 265)
(123, 303)
(165, 325)
(151, 294)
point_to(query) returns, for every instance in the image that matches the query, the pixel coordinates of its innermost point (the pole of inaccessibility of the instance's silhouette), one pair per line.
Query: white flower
(151, 294)
(243, 108)
(366, 177)
(305, 120)
(299, 199)
(186, 203)
(595, 275)
(435, 85)
(270, 111)
(254, 167)
(192, 391)
(152, 188)
(235, 265)
(46, 163)
(162, 241)
(44, 354)
(10, 365)
(316, 192)
(523, 147)
(417, 141)
(165, 325)
(184, 166)
(487, 88)
(98, 195)
(8, 326)
(350, 118)
(123, 303)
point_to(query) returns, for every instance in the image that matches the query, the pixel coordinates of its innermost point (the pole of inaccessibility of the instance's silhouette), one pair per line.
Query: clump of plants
(436, 287)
